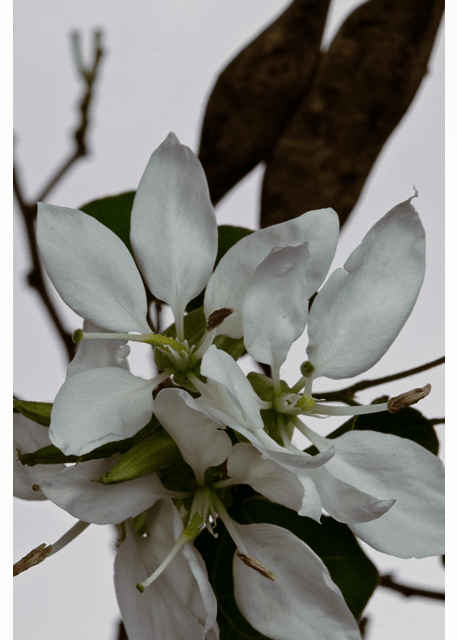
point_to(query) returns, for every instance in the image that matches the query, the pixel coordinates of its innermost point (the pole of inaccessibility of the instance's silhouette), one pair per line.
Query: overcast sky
(161, 63)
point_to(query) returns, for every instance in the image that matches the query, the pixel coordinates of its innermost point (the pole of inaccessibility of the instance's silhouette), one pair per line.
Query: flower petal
(344, 502)
(361, 308)
(302, 602)
(390, 467)
(275, 307)
(98, 354)
(246, 466)
(173, 225)
(200, 438)
(74, 491)
(173, 604)
(92, 269)
(28, 436)
(232, 275)
(98, 406)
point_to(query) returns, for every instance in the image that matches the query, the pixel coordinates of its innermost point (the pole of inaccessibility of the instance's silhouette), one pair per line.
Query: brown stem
(28, 209)
(346, 395)
(388, 582)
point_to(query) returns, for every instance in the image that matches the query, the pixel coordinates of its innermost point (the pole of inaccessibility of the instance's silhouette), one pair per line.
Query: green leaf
(39, 412)
(114, 213)
(233, 346)
(52, 455)
(408, 423)
(349, 567)
(228, 236)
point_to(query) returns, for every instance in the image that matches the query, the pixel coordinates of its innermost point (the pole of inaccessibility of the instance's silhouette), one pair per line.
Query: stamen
(396, 404)
(190, 533)
(69, 536)
(256, 565)
(155, 339)
(332, 410)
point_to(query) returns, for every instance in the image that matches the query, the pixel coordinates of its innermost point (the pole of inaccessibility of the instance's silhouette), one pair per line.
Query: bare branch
(388, 582)
(347, 394)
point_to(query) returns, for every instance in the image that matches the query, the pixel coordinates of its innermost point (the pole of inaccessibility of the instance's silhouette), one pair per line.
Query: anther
(404, 400)
(256, 565)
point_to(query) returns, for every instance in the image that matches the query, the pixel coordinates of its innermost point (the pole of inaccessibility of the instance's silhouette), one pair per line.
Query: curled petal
(173, 225)
(246, 466)
(390, 467)
(199, 437)
(97, 354)
(302, 602)
(28, 436)
(362, 308)
(275, 307)
(98, 406)
(75, 491)
(92, 269)
(232, 275)
(180, 602)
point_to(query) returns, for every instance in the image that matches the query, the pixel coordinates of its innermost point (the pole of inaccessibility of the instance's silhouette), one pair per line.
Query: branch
(28, 210)
(347, 394)
(388, 582)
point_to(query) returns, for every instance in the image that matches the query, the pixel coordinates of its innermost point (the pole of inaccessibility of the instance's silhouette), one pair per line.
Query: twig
(347, 394)
(388, 582)
(28, 210)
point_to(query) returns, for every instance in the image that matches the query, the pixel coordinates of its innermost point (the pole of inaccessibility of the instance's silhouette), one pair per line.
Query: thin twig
(28, 210)
(388, 582)
(347, 394)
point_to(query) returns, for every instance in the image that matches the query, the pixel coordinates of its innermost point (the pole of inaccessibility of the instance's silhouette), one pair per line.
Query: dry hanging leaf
(256, 94)
(362, 88)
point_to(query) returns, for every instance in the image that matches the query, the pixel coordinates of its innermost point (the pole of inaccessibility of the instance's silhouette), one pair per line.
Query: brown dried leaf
(256, 94)
(361, 90)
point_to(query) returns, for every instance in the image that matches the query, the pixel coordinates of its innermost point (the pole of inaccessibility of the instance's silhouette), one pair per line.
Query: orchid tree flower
(174, 241)
(279, 602)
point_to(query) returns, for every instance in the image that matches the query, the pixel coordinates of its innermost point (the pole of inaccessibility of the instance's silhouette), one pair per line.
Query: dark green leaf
(39, 412)
(53, 455)
(408, 423)
(228, 236)
(114, 213)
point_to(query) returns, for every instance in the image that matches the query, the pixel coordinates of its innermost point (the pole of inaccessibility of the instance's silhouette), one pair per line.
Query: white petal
(344, 502)
(92, 269)
(97, 354)
(245, 466)
(302, 602)
(275, 307)
(220, 367)
(74, 491)
(28, 436)
(200, 439)
(173, 225)
(98, 406)
(361, 309)
(390, 467)
(232, 275)
(173, 604)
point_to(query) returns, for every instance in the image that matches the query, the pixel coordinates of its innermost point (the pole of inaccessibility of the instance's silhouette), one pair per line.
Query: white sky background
(161, 63)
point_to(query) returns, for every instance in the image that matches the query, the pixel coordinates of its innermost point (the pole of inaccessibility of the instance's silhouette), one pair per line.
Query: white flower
(174, 240)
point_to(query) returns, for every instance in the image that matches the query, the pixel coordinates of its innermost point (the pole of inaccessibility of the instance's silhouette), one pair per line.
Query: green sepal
(155, 453)
(39, 412)
(52, 455)
(141, 524)
(262, 385)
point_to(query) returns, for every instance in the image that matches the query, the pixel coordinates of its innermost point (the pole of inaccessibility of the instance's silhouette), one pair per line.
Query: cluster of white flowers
(388, 490)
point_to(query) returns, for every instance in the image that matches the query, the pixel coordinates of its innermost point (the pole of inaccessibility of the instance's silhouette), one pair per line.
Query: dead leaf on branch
(363, 86)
